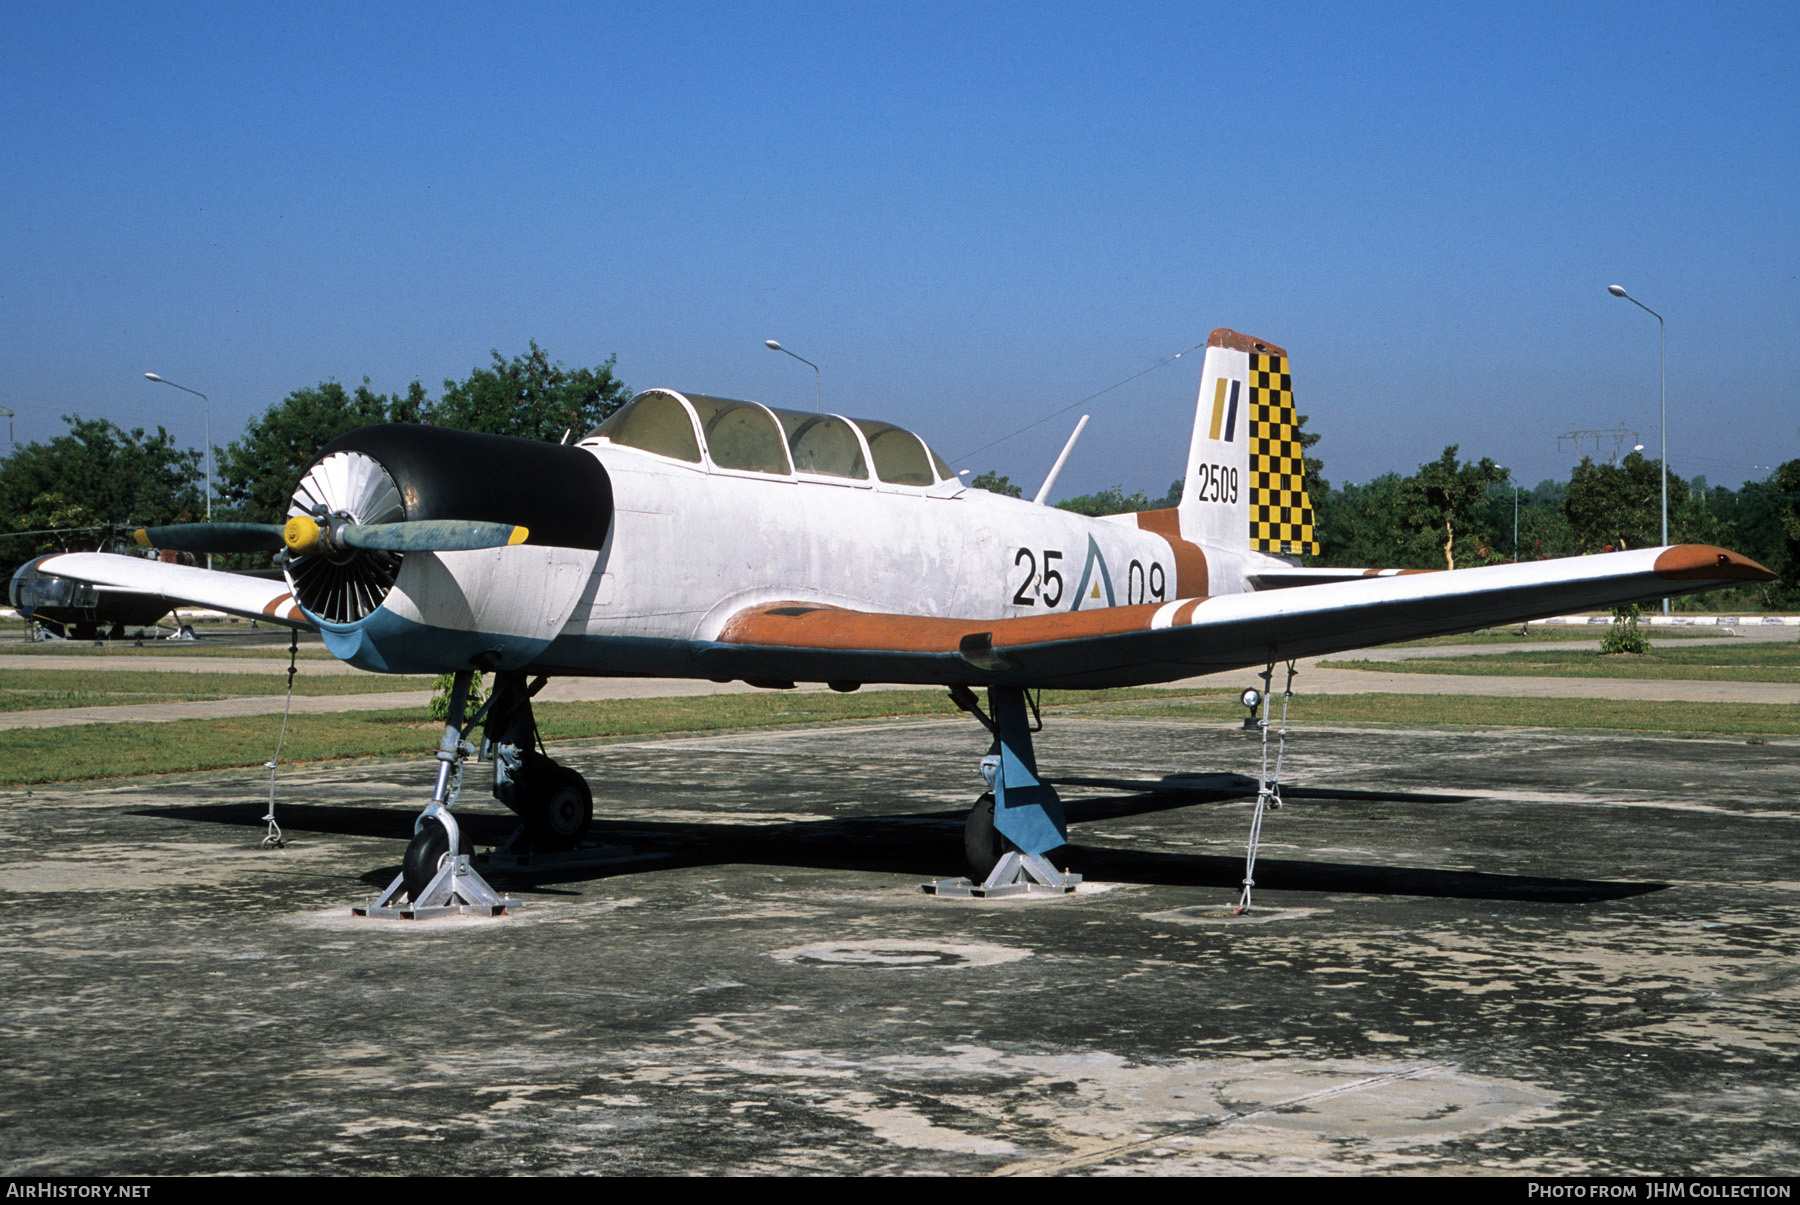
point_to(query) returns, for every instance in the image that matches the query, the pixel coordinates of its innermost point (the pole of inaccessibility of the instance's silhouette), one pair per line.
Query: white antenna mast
(1056, 468)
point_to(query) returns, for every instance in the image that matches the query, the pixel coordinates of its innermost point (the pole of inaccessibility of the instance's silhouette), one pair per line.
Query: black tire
(983, 845)
(427, 849)
(562, 808)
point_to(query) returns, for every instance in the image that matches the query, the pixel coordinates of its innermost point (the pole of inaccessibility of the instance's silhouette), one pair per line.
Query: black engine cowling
(384, 474)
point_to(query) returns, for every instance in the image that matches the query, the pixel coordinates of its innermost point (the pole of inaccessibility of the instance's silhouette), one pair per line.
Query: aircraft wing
(1312, 575)
(1140, 645)
(252, 597)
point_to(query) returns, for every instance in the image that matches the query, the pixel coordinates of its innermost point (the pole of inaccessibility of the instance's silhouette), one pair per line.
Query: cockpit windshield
(741, 435)
(824, 445)
(900, 457)
(751, 438)
(654, 421)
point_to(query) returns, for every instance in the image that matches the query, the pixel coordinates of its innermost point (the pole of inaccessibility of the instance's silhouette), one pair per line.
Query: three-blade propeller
(303, 535)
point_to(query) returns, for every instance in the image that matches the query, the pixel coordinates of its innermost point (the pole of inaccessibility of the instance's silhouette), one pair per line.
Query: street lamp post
(1663, 372)
(209, 477)
(818, 387)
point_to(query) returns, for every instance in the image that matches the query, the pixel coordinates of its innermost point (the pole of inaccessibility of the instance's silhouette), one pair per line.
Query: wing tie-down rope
(273, 839)
(1268, 790)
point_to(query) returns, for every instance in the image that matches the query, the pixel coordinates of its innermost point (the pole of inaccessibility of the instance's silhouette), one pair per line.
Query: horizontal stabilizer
(1281, 579)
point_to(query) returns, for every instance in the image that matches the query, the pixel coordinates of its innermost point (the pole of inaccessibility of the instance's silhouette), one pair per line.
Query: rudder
(1281, 512)
(1246, 471)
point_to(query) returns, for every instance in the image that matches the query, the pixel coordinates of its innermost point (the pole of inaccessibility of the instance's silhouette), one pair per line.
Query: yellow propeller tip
(519, 536)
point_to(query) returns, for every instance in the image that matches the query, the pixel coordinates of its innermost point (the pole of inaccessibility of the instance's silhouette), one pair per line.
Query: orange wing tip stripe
(519, 536)
(1705, 563)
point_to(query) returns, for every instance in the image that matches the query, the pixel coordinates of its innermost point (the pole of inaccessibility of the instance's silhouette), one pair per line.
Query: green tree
(257, 473)
(1545, 533)
(1448, 499)
(1316, 485)
(1446, 513)
(1114, 501)
(95, 475)
(1786, 482)
(531, 397)
(1616, 506)
(994, 483)
(1364, 525)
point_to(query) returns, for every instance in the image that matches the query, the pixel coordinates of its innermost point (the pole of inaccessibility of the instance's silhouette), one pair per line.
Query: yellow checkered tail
(1281, 514)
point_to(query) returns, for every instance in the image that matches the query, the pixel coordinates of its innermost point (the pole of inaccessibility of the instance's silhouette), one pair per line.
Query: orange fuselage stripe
(1191, 573)
(835, 628)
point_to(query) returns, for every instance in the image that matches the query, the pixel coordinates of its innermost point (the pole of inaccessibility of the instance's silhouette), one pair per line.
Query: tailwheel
(426, 853)
(561, 808)
(983, 844)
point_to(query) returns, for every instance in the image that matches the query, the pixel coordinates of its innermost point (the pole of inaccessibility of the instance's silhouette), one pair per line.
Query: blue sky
(968, 215)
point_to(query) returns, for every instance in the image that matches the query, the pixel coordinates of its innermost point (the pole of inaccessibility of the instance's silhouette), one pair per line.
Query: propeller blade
(211, 537)
(430, 535)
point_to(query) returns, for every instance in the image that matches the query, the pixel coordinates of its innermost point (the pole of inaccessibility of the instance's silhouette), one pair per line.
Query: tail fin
(1246, 479)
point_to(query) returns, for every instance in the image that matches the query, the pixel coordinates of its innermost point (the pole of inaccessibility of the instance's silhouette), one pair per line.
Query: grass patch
(1725, 719)
(1752, 661)
(86, 752)
(310, 650)
(32, 689)
(102, 751)
(1552, 635)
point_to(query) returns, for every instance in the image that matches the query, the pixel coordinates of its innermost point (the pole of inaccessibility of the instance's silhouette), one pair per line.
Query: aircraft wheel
(424, 855)
(983, 844)
(562, 810)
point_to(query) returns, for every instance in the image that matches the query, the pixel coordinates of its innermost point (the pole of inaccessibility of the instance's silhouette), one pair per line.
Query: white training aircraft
(694, 537)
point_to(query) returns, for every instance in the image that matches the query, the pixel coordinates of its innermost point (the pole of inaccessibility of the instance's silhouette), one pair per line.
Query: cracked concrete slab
(1502, 951)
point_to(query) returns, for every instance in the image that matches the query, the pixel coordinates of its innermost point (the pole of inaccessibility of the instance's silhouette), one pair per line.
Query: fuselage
(689, 545)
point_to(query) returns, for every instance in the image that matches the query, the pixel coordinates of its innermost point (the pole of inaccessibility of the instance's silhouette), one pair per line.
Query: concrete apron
(1519, 951)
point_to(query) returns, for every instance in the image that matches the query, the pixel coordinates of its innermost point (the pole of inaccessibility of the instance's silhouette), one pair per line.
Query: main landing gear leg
(553, 800)
(436, 879)
(1011, 828)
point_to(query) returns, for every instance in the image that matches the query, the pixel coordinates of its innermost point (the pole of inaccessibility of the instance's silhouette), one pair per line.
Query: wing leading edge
(1141, 645)
(233, 593)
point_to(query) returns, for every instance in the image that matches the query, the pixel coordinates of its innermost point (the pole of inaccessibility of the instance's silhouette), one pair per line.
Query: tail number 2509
(1215, 483)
